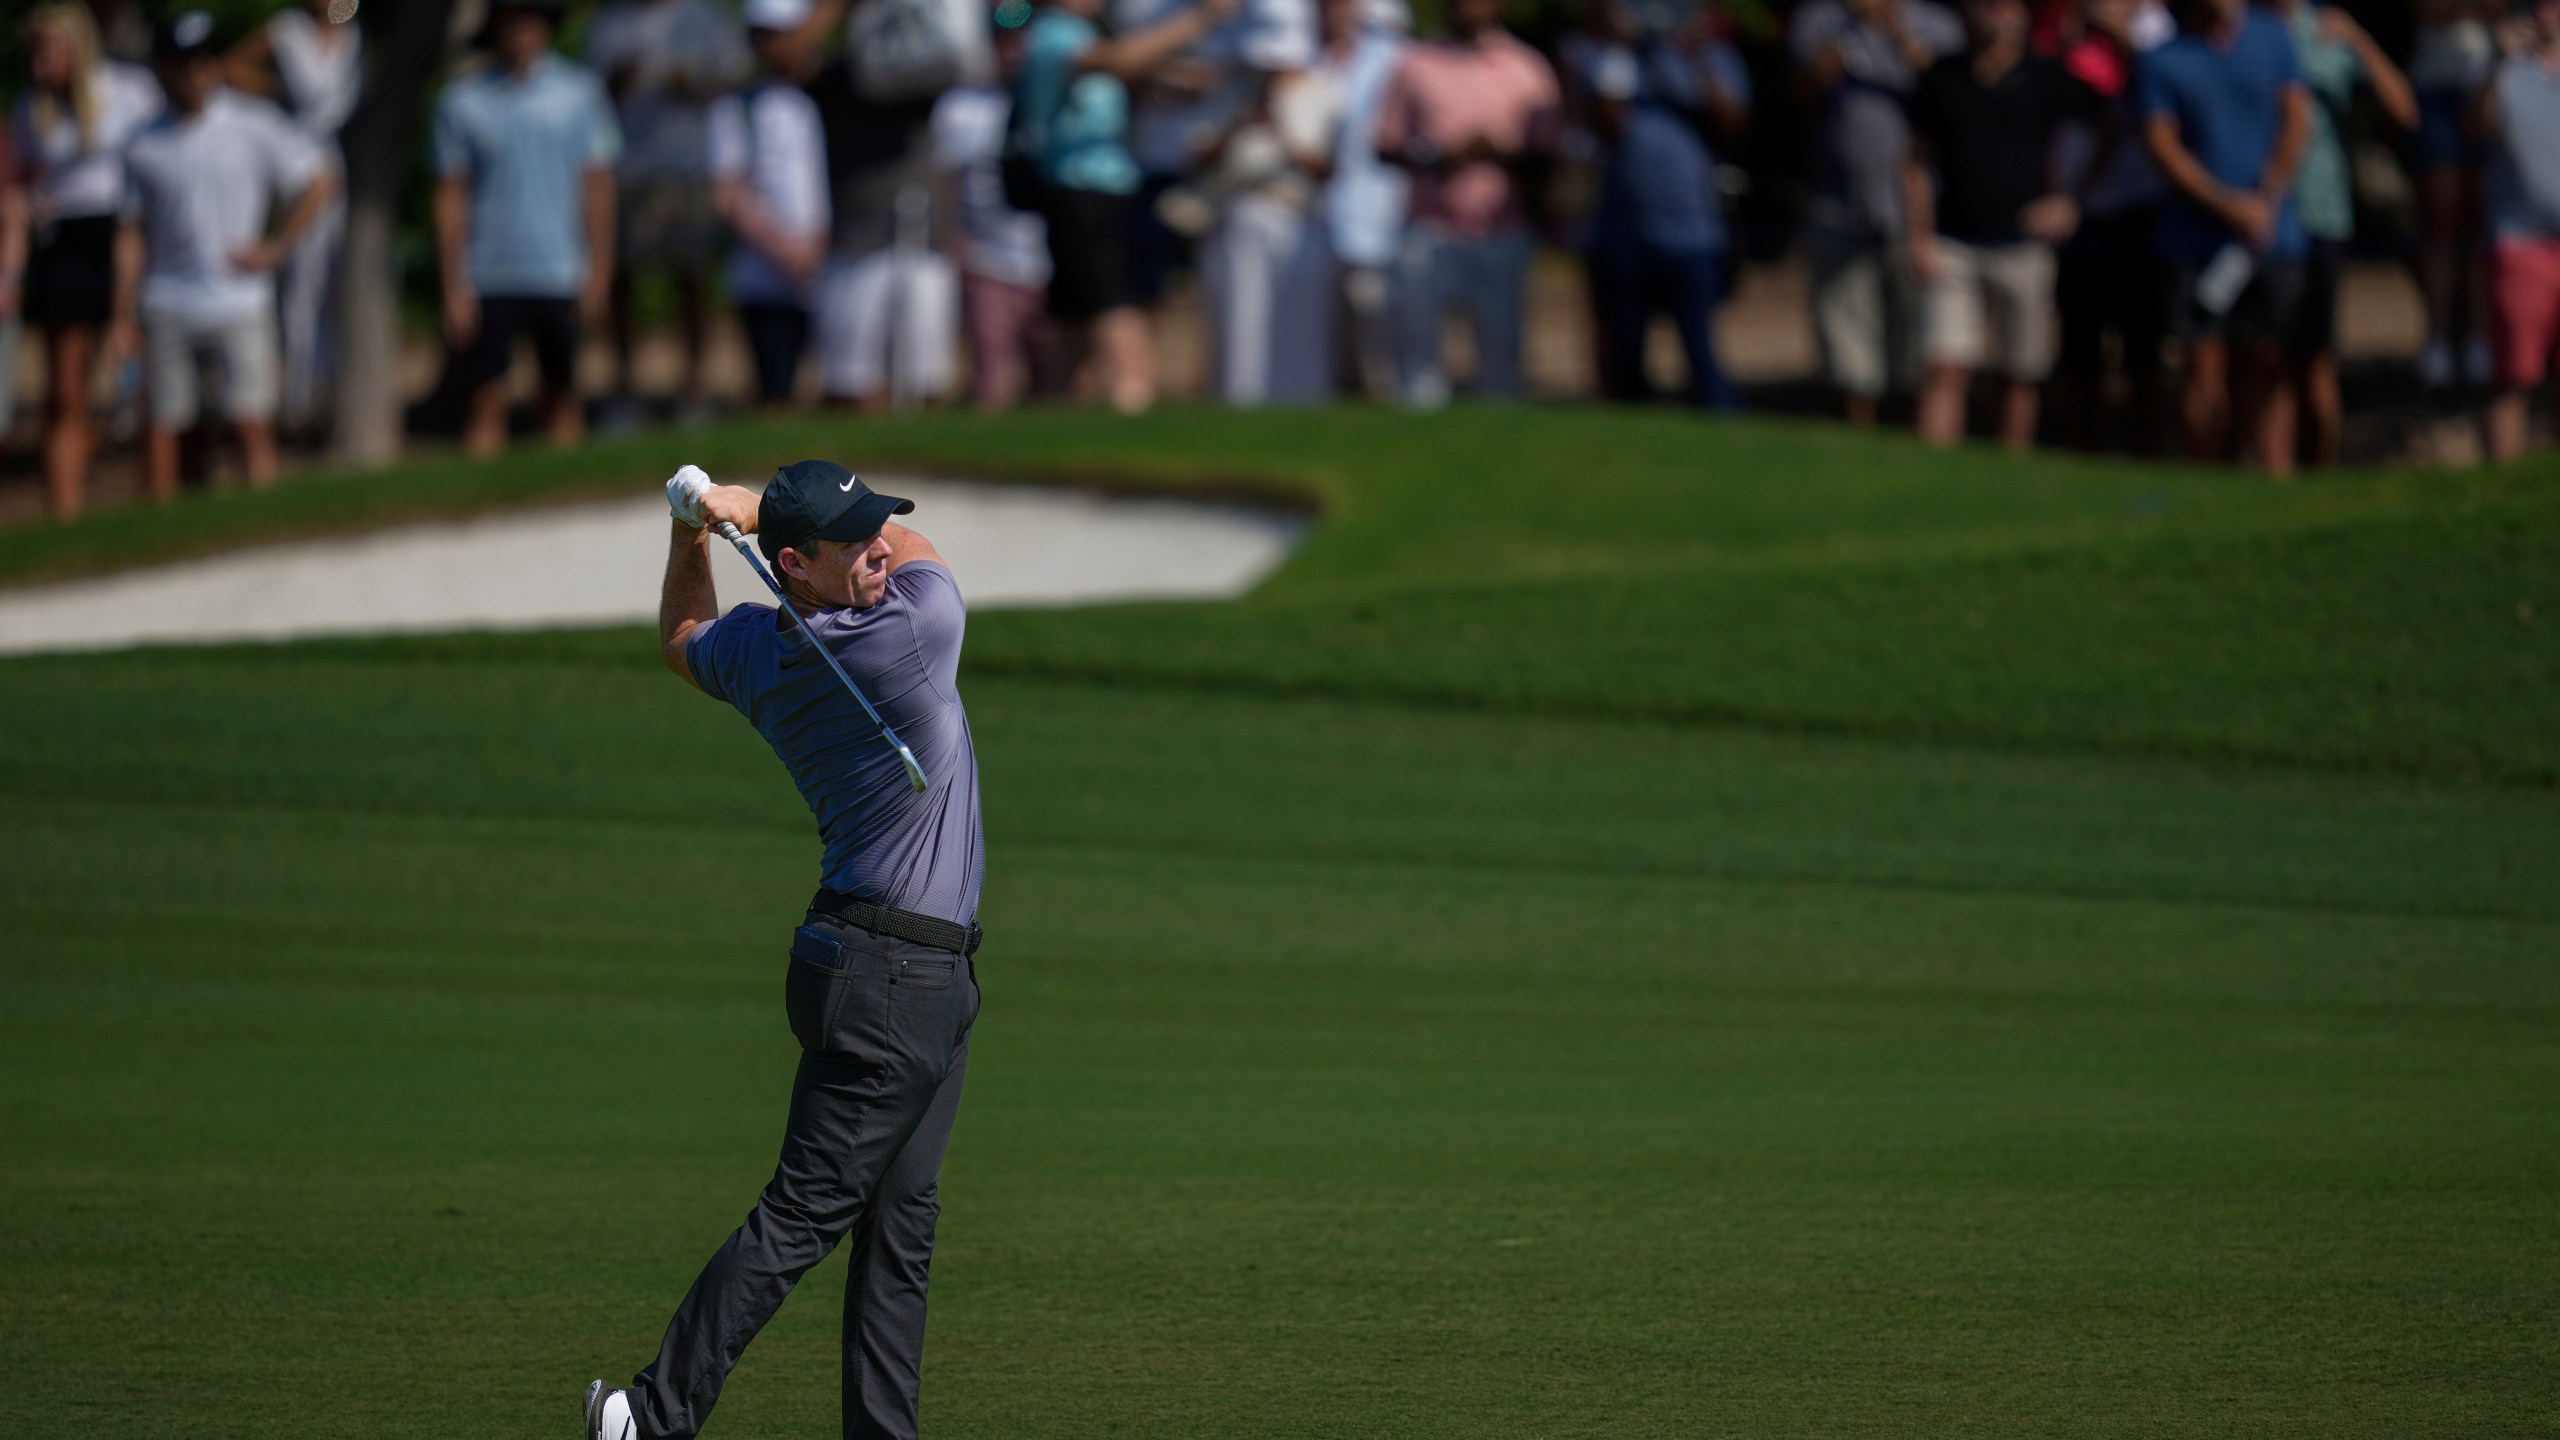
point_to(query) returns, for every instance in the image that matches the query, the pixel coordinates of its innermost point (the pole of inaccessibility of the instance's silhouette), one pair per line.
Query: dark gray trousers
(884, 1038)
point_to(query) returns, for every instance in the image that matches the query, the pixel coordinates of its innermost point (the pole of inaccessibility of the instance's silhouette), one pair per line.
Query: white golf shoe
(609, 1414)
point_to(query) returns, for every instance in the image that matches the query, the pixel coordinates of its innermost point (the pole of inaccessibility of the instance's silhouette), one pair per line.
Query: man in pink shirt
(1466, 115)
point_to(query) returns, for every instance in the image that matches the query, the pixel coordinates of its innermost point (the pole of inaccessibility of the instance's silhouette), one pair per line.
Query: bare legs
(484, 431)
(2323, 412)
(160, 457)
(1120, 345)
(2509, 412)
(68, 439)
(1941, 419)
(2448, 218)
(690, 318)
(1942, 397)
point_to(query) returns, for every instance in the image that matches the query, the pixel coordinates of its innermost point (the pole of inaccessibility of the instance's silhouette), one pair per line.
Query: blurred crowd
(2143, 211)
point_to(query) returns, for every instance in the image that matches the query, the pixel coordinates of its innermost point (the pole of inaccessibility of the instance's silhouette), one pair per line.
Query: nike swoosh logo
(847, 486)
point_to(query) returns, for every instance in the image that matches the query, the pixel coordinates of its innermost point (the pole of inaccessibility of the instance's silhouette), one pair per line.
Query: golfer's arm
(906, 545)
(686, 601)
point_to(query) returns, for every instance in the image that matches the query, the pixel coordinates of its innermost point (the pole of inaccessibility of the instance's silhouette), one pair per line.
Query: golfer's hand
(731, 504)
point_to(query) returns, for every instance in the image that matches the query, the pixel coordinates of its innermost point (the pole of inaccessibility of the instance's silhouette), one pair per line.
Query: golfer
(881, 991)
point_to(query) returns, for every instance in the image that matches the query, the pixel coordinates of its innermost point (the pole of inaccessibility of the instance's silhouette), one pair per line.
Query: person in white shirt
(194, 257)
(1364, 199)
(313, 67)
(768, 159)
(69, 131)
(1266, 266)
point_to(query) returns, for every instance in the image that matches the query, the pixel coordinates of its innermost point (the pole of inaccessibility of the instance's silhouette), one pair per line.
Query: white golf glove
(685, 490)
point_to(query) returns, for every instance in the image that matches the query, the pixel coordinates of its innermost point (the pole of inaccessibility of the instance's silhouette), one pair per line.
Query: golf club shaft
(906, 757)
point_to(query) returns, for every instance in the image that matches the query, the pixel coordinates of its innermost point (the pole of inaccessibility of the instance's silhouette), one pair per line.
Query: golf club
(684, 491)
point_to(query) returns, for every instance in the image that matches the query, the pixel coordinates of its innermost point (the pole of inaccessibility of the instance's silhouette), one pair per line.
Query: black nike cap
(820, 500)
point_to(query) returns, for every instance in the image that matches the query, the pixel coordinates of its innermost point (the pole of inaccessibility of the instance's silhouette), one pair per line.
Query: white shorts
(883, 308)
(1992, 308)
(174, 352)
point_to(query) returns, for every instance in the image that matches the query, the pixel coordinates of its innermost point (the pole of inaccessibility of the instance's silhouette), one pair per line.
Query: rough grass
(1410, 1010)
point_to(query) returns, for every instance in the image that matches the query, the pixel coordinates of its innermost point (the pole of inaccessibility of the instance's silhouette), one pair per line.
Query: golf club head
(915, 772)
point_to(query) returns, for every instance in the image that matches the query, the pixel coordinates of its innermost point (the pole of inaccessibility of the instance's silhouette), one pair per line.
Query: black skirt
(1089, 265)
(71, 273)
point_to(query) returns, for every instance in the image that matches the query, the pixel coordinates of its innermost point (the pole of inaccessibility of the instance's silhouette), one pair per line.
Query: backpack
(902, 51)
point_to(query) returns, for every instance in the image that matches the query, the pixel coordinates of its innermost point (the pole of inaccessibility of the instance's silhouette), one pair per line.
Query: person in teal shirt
(2337, 56)
(1073, 102)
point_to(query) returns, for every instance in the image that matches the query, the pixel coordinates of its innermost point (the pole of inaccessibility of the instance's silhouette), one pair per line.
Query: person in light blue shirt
(1071, 114)
(2226, 116)
(524, 154)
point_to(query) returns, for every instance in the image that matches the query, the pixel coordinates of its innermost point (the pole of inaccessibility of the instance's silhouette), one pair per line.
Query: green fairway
(1801, 938)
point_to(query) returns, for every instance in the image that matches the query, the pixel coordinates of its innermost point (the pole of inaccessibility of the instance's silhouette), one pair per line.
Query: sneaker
(2435, 364)
(609, 1414)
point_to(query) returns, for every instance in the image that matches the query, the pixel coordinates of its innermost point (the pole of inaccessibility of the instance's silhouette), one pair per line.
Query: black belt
(881, 919)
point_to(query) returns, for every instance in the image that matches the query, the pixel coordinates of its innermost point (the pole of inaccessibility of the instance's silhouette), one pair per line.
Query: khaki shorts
(1992, 308)
(886, 316)
(1861, 311)
(244, 351)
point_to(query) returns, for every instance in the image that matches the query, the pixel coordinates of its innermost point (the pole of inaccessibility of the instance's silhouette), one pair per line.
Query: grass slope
(387, 1030)
(1655, 566)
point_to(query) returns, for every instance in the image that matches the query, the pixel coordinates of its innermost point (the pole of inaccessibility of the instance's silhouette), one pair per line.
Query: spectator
(1266, 271)
(663, 62)
(1174, 110)
(2226, 118)
(524, 154)
(13, 270)
(1004, 252)
(1985, 218)
(2452, 61)
(2109, 279)
(1468, 116)
(1072, 127)
(2518, 115)
(2336, 57)
(1856, 62)
(768, 165)
(194, 259)
(890, 300)
(70, 130)
(1364, 197)
(1658, 240)
(316, 68)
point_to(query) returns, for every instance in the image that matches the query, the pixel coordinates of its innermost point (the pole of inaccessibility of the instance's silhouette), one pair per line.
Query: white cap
(775, 14)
